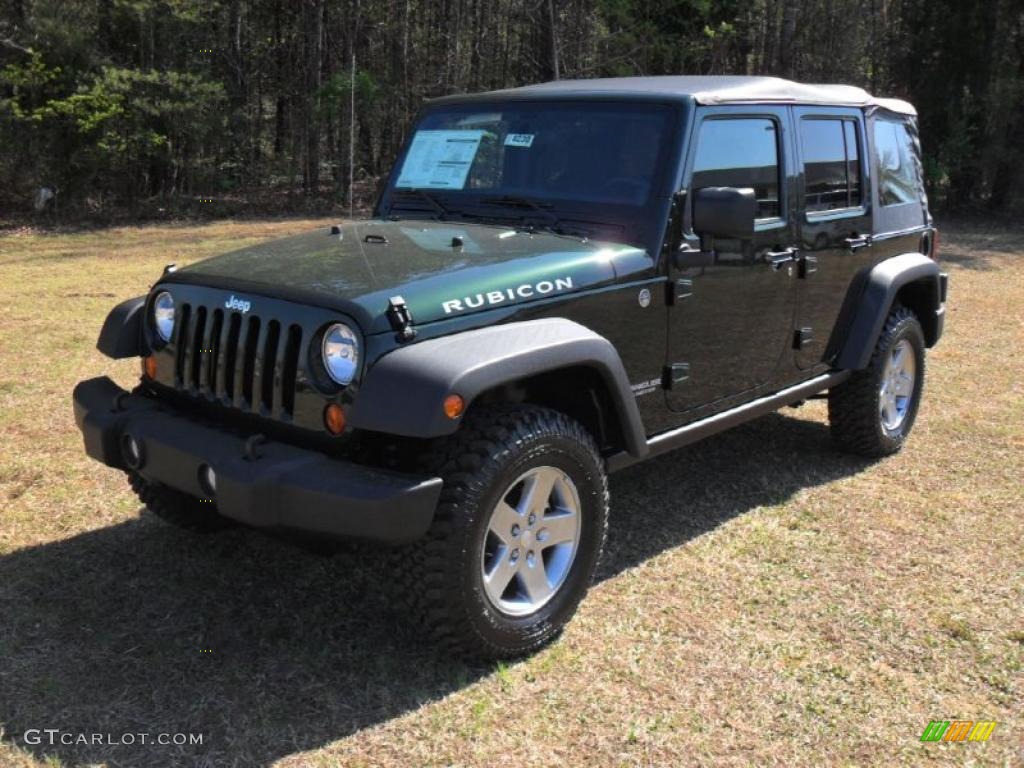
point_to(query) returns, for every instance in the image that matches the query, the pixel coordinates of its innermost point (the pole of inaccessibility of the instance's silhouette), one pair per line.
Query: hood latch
(401, 319)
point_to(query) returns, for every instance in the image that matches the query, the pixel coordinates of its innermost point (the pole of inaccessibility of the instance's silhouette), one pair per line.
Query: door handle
(776, 259)
(857, 242)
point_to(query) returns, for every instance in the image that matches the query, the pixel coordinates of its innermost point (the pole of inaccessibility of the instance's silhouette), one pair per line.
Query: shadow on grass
(267, 650)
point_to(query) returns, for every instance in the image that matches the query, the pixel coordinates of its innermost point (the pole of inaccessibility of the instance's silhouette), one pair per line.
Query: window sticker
(524, 140)
(439, 159)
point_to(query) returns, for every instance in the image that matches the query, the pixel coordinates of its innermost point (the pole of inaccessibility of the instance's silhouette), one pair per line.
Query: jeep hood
(358, 269)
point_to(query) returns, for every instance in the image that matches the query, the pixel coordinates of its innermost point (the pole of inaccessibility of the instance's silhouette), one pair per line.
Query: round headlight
(341, 353)
(163, 315)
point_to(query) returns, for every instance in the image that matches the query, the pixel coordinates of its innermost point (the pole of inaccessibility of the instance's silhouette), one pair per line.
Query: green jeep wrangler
(559, 281)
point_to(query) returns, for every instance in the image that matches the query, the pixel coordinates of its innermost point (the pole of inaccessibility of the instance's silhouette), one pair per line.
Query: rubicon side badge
(525, 291)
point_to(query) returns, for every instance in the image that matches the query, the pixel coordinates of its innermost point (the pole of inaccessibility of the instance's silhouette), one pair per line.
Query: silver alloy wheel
(897, 389)
(531, 541)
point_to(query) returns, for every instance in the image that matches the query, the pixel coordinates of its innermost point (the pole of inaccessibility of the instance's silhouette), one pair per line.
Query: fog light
(207, 480)
(149, 365)
(453, 406)
(334, 419)
(131, 450)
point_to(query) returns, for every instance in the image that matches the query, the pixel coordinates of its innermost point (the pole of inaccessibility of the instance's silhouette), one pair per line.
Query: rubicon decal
(525, 291)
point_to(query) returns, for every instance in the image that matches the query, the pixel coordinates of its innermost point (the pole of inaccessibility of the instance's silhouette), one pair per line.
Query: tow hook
(252, 450)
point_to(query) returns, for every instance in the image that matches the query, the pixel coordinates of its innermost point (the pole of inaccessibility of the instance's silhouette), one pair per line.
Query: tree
(122, 101)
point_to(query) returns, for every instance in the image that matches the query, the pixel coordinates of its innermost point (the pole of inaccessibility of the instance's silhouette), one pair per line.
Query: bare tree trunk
(552, 42)
(280, 105)
(237, 87)
(313, 23)
(405, 63)
(771, 38)
(103, 22)
(787, 37)
(352, 138)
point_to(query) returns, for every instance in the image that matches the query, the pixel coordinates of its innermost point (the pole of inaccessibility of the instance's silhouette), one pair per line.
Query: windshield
(560, 165)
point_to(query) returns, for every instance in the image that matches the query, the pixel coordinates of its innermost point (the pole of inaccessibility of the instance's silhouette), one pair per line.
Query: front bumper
(274, 486)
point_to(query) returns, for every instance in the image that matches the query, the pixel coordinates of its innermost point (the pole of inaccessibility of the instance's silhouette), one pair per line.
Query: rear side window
(740, 152)
(831, 164)
(898, 180)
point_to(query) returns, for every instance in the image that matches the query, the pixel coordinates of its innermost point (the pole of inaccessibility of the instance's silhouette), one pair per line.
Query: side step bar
(698, 430)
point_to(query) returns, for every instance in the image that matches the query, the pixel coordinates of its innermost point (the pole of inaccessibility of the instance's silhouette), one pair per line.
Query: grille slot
(252, 340)
(290, 369)
(212, 352)
(269, 367)
(195, 359)
(231, 356)
(244, 362)
(181, 345)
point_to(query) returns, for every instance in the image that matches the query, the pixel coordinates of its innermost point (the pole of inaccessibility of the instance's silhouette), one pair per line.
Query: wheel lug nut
(530, 558)
(515, 530)
(532, 519)
(514, 556)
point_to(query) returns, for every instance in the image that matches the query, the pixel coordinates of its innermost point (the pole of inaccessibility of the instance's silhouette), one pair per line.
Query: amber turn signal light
(334, 419)
(149, 366)
(453, 406)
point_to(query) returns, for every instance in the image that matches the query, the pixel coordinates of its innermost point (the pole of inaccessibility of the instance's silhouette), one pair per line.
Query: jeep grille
(242, 361)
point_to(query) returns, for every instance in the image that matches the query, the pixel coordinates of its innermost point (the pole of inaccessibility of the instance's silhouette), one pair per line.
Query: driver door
(731, 321)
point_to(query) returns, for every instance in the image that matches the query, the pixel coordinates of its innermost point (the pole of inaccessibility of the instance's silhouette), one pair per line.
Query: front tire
(177, 508)
(873, 411)
(516, 537)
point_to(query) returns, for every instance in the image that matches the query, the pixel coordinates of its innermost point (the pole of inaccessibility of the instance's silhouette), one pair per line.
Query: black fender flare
(404, 391)
(879, 291)
(121, 335)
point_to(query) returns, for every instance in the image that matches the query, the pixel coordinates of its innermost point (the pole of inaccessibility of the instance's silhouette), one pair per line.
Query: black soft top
(703, 89)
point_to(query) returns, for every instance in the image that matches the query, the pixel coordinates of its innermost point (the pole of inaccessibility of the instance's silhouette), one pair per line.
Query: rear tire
(872, 412)
(517, 535)
(177, 508)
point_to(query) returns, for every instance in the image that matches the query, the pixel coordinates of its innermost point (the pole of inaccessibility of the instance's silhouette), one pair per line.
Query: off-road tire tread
(422, 569)
(177, 508)
(853, 405)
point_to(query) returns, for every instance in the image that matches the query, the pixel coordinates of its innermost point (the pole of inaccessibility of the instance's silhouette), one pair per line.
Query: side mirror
(724, 212)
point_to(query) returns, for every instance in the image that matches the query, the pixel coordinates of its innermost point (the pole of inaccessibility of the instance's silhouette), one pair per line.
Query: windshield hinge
(401, 319)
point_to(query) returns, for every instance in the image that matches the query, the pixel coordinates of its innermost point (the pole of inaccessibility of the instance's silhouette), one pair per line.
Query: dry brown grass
(765, 600)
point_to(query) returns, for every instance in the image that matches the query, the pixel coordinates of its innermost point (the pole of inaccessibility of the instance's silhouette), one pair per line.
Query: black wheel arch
(121, 335)
(551, 362)
(911, 279)
(578, 391)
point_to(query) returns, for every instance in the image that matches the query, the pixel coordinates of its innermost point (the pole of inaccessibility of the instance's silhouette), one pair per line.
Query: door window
(897, 173)
(740, 152)
(852, 161)
(831, 164)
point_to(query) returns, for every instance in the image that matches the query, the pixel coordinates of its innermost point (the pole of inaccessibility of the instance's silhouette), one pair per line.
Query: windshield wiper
(422, 194)
(514, 201)
(555, 224)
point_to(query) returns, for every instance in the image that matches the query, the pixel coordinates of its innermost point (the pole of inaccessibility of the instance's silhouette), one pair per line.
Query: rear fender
(911, 275)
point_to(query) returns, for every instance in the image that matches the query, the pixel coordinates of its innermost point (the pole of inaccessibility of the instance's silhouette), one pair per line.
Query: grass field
(765, 600)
